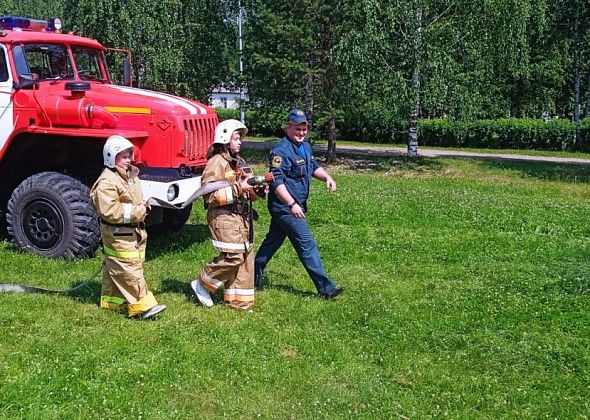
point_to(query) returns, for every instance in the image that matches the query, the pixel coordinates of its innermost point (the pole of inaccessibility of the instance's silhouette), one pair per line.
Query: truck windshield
(88, 62)
(49, 61)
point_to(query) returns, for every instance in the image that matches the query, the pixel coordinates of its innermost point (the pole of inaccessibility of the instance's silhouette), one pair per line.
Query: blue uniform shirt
(292, 165)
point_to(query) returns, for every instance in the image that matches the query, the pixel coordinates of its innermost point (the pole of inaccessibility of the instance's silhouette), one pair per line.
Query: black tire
(49, 214)
(172, 221)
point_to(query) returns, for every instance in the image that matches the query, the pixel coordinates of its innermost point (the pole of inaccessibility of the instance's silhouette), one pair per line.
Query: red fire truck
(58, 105)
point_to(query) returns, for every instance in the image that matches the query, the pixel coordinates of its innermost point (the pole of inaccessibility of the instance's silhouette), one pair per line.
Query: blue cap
(296, 116)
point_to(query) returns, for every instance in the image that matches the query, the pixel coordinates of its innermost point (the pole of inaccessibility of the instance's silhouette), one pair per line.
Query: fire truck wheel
(172, 221)
(50, 214)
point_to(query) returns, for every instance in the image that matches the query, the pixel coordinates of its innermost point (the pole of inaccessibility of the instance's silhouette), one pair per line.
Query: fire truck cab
(58, 105)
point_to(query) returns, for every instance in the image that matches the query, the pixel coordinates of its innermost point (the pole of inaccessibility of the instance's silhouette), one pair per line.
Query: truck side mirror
(26, 81)
(115, 64)
(127, 72)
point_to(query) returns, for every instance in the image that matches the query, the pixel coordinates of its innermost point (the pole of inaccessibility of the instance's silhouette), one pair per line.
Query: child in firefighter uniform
(229, 216)
(117, 199)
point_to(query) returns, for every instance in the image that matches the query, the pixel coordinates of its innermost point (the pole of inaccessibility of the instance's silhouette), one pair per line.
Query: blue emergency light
(26, 24)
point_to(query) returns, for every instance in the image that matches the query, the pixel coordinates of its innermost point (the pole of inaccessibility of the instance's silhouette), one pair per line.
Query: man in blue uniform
(293, 166)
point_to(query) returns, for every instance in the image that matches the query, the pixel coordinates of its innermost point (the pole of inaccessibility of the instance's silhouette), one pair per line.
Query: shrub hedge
(260, 122)
(506, 133)
(382, 127)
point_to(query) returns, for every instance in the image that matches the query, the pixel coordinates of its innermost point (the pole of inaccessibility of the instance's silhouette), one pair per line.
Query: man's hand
(297, 211)
(331, 183)
(321, 174)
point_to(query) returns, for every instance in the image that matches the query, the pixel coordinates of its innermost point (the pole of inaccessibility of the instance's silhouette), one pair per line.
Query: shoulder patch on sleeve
(276, 161)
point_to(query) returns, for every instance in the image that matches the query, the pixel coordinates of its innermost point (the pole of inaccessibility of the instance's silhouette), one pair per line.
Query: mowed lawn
(467, 295)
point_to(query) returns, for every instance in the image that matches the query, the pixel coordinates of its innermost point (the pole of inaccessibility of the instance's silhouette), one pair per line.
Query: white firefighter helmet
(226, 128)
(113, 146)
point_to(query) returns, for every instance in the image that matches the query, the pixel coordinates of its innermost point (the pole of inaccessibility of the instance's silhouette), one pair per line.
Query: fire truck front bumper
(174, 192)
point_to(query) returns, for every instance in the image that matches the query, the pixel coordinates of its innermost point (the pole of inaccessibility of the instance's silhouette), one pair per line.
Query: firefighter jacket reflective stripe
(293, 166)
(227, 208)
(117, 198)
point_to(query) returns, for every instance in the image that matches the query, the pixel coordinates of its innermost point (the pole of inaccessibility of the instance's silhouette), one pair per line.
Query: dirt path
(368, 150)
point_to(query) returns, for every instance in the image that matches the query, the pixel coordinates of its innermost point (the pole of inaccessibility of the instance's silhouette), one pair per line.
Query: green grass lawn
(467, 295)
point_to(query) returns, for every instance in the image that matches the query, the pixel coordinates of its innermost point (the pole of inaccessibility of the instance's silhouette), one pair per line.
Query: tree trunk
(577, 98)
(331, 152)
(329, 86)
(576, 80)
(310, 92)
(415, 111)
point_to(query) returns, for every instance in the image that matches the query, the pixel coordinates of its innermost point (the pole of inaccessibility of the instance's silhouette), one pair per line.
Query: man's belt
(136, 225)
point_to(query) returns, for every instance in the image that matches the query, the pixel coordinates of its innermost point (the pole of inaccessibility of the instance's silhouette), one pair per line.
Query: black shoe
(153, 311)
(333, 294)
(259, 283)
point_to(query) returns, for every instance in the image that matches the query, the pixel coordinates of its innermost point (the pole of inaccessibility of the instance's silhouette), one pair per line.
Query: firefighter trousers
(235, 273)
(123, 286)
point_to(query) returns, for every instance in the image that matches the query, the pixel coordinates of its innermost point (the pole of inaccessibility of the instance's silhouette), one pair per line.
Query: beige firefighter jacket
(228, 208)
(117, 199)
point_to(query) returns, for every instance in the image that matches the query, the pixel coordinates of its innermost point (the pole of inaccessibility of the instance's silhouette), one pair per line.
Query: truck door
(6, 113)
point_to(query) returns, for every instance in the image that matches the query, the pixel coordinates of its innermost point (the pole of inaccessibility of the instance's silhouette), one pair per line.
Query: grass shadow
(272, 284)
(548, 171)
(390, 163)
(181, 287)
(3, 229)
(353, 159)
(89, 293)
(165, 243)
(291, 290)
(577, 286)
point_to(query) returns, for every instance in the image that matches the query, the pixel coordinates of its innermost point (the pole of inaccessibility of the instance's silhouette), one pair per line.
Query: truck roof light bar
(25, 24)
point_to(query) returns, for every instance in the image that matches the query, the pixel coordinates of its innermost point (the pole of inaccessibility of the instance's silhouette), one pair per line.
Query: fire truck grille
(198, 136)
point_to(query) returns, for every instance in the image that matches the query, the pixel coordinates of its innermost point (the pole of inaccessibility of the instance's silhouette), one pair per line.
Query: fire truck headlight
(172, 192)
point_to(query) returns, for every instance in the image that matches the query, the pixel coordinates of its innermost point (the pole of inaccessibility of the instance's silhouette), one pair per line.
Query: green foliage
(263, 122)
(509, 133)
(378, 126)
(35, 9)
(267, 121)
(467, 296)
(293, 64)
(260, 122)
(353, 62)
(178, 46)
(278, 71)
(373, 126)
(227, 114)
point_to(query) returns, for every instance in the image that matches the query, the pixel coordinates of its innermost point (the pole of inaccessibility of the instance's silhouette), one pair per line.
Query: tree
(178, 46)
(293, 64)
(451, 58)
(571, 20)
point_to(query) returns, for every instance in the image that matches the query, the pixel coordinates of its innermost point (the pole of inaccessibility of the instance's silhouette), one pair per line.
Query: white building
(226, 98)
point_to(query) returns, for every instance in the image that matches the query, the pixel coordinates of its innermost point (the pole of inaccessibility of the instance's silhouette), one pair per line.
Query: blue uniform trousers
(297, 230)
